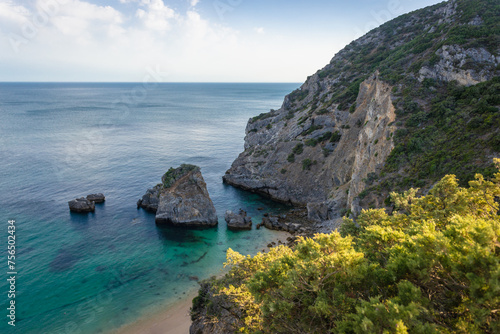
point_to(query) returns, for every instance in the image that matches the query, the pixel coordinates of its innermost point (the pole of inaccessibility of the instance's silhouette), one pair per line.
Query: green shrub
(311, 142)
(298, 149)
(432, 267)
(335, 138)
(352, 108)
(307, 163)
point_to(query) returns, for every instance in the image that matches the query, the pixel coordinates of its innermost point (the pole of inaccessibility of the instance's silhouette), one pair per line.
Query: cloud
(83, 19)
(12, 14)
(194, 2)
(259, 30)
(156, 16)
(84, 41)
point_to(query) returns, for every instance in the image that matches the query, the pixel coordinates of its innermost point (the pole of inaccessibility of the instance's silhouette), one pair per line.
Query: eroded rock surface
(181, 199)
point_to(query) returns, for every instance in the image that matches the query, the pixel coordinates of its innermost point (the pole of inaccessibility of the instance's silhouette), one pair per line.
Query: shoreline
(175, 318)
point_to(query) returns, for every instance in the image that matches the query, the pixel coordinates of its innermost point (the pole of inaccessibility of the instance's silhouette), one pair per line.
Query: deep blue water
(93, 273)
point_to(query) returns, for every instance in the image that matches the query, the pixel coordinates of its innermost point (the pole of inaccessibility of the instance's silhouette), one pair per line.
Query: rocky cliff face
(312, 158)
(455, 63)
(333, 136)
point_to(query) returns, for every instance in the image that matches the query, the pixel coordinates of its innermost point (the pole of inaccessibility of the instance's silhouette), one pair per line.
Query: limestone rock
(317, 211)
(96, 198)
(151, 199)
(332, 152)
(228, 315)
(81, 205)
(181, 199)
(238, 221)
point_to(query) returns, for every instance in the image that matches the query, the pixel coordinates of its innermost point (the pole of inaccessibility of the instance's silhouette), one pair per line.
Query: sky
(182, 40)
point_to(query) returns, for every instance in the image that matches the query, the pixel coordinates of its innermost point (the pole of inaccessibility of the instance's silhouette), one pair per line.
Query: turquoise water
(93, 273)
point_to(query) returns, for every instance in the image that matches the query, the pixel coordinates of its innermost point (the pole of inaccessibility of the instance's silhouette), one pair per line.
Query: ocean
(96, 272)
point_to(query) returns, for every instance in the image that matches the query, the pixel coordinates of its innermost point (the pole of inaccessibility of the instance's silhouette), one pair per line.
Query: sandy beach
(175, 319)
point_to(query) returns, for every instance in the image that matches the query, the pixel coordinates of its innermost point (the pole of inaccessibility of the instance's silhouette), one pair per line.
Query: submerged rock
(238, 221)
(81, 205)
(181, 199)
(96, 198)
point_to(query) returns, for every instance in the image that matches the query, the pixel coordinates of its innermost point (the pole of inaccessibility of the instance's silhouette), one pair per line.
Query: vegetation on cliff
(174, 174)
(432, 266)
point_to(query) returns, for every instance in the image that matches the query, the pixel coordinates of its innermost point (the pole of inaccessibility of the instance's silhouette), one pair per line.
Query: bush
(298, 149)
(311, 142)
(291, 157)
(335, 138)
(432, 267)
(307, 163)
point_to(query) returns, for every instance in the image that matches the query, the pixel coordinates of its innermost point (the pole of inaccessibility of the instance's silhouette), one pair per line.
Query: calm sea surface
(93, 273)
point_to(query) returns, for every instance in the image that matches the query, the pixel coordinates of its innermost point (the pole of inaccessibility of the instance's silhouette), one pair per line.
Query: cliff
(331, 146)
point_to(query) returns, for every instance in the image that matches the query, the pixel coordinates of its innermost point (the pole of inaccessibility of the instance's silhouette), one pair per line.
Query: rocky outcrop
(466, 66)
(374, 141)
(96, 198)
(317, 158)
(295, 221)
(208, 303)
(238, 221)
(150, 199)
(181, 199)
(81, 205)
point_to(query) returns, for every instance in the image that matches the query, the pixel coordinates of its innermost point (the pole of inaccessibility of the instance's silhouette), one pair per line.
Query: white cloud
(11, 13)
(259, 30)
(84, 22)
(87, 42)
(156, 16)
(194, 2)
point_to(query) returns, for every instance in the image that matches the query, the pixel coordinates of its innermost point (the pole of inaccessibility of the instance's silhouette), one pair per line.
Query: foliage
(174, 174)
(307, 163)
(311, 142)
(433, 266)
(298, 149)
(298, 95)
(263, 116)
(458, 123)
(335, 137)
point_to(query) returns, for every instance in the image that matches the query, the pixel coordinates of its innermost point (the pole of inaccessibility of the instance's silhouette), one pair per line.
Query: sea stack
(181, 199)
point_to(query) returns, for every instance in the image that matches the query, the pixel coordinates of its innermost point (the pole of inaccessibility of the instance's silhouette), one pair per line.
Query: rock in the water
(96, 198)
(150, 199)
(181, 199)
(81, 205)
(238, 221)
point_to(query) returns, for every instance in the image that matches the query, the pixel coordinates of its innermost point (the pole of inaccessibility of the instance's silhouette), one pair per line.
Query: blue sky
(182, 40)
